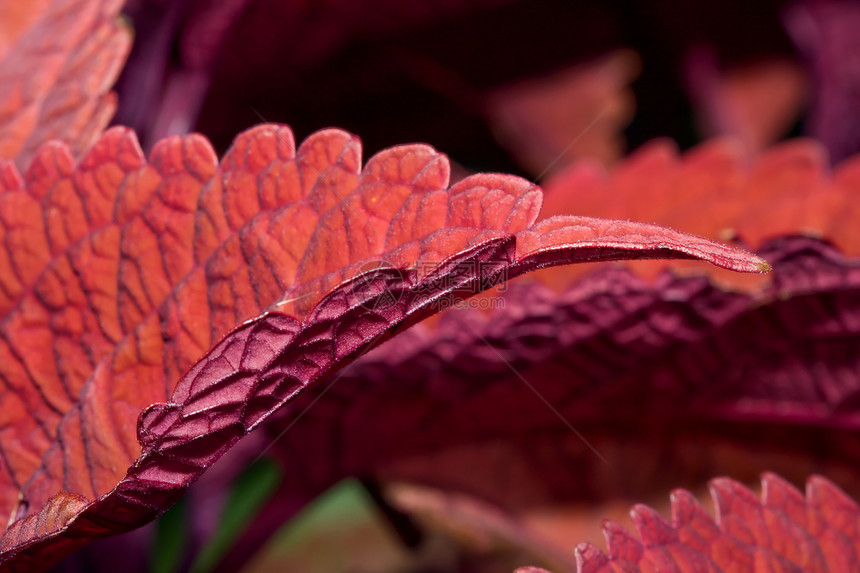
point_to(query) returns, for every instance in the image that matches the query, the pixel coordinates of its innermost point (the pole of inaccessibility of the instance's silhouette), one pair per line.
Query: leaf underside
(645, 370)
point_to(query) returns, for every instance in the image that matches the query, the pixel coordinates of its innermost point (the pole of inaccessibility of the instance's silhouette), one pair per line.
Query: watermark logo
(380, 285)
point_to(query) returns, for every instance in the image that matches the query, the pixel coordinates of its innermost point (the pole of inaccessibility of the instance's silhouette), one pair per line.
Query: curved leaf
(58, 61)
(773, 367)
(663, 378)
(121, 273)
(782, 531)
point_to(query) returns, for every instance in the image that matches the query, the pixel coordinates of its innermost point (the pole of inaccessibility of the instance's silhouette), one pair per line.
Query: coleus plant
(158, 309)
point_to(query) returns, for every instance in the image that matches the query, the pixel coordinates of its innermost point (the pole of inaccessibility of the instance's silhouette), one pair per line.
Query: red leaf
(58, 60)
(716, 192)
(121, 274)
(782, 531)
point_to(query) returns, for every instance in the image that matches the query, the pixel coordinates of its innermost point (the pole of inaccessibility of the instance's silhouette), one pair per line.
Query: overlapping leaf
(615, 346)
(619, 356)
(58, 61)
(121, 273)
(782, 531)
(622, 359)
